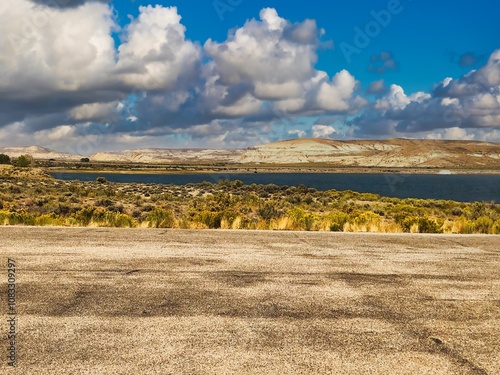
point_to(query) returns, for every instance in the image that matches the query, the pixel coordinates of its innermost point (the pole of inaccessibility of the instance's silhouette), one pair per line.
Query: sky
(85, 76)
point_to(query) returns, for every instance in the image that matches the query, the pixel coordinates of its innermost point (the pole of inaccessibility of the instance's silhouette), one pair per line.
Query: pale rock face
(38, 153)
(402, 153)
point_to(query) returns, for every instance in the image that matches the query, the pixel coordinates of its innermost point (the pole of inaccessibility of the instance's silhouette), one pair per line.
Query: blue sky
(91, 75)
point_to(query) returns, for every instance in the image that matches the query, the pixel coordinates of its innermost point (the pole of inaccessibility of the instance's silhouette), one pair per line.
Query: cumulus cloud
(266, 54)
(62, 60)
(66, 80)
(322, 131)
(263, 68)
(66, 3)
(155, 54)
(53, 60)
(274, 60)
(67, 71)
(68, 74)
(451, 133)
(334, 95)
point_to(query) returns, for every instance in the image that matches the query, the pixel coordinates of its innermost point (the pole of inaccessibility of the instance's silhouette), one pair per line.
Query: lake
(465, 188)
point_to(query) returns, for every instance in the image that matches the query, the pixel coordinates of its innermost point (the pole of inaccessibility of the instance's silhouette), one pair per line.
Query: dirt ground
(146, 301)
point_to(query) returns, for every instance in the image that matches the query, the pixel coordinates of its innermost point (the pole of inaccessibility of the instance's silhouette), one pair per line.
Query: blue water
(465, 188)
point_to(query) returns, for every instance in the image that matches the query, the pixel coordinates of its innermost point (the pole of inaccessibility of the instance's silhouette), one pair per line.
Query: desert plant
(160, 218)
(367, 222)
(483, 225)
(421, 224)
(337, 221)
(426, 225)
(496, 227)
(24, 161)
(4, 159)
(211, 219)
(267, 212)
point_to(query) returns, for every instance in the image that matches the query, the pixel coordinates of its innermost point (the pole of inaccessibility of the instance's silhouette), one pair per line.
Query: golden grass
(41, 201)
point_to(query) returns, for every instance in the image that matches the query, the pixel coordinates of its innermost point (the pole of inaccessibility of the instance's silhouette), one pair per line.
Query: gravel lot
(146, 301)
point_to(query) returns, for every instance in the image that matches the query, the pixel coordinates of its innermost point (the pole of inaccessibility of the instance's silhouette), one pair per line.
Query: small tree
(4, 159)
(24, 161)
(85, 160)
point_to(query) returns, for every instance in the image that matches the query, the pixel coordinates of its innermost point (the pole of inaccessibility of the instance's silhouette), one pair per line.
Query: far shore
(271, 169)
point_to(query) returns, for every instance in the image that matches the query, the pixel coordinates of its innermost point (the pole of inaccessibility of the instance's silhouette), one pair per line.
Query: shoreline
(268, 170)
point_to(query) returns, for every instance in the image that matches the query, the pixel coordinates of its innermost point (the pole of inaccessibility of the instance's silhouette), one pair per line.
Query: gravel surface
(146, 301)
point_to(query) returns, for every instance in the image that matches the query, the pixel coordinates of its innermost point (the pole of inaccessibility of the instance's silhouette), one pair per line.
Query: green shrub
(476, 210)
(408, 222)
(4, 159)
(468, 227)
(24, 161)
(84, 216)
(211, 219)
(119, 220)
(160, 218)
(424, 224)
(496, 227)
(483, 225)
(49, 219)
(17, 218)
(267, 212)
(301, 220)
(338, 220)
(367, 218)
(428, 226)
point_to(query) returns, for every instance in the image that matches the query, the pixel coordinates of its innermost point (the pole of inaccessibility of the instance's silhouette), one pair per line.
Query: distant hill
(403, 153)
(380, 153)
(162, 155)
(40, 153)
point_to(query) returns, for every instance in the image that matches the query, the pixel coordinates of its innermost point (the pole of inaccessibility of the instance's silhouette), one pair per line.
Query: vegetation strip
(31, 197)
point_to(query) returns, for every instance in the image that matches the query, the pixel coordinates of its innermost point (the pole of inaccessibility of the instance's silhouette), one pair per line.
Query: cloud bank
(71, 76)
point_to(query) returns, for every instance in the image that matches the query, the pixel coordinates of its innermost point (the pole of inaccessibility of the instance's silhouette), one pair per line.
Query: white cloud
(451, 133)
(396, 98)
(65, 61)
(156, 54)
(46, 50)
(299, 133)
(322, 131)
(63, 81)
(469, 102)
(335, 95)
(68, 79)
(274, 60)
(262, 54)
(490, 73)
(95, 111)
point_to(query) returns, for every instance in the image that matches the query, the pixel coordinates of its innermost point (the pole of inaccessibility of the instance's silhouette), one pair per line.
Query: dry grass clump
(38, 200)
